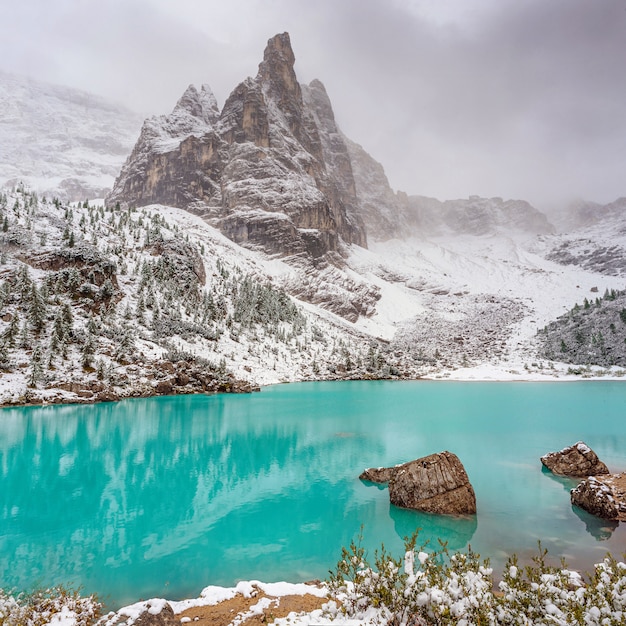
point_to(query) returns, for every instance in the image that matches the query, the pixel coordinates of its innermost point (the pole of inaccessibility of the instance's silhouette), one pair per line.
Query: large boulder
(604, 496)
(578, 460)
(437, 483)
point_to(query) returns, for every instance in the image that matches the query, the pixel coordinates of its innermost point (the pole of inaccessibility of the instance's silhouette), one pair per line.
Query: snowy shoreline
(56, 396)
(59, 397)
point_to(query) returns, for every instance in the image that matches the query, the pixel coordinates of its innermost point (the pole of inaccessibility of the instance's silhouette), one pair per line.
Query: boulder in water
(603, 496)
(437, 483)
(577, 461)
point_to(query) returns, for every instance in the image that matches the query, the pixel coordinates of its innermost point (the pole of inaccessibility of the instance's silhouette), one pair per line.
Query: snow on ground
(454, 306)
(443, 277)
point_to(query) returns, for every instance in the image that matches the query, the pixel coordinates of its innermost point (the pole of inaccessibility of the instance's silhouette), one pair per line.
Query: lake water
(163, 496)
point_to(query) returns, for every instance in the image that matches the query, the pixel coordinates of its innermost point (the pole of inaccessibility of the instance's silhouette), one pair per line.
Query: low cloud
(512, 99)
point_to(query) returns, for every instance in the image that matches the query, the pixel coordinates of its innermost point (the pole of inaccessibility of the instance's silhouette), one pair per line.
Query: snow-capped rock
(604, 496)
(576, 460)
(271, 170)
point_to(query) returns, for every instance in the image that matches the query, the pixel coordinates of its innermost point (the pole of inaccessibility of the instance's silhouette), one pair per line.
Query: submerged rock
(576, 460)
(437, 483)
(603, 496)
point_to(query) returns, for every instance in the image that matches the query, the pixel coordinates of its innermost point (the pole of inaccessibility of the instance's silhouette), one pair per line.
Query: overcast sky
(513, 98)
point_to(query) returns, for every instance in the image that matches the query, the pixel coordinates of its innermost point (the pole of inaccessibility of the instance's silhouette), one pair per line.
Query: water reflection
(120, 492)
(456, 530)
(161, 497)
(601, 529)
(568, 483)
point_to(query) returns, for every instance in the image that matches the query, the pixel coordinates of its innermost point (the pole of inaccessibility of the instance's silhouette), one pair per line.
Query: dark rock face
(577, 460)
(437, 483)
(603, 496)
(271, 170)
(382, 210)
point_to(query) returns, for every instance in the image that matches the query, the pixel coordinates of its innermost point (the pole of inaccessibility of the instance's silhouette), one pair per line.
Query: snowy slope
(60, 141)
(150, 291)
(102, 304)
(472, 304)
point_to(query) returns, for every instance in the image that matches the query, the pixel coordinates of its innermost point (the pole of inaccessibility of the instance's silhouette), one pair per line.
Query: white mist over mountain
(61, 141)
(519, 100)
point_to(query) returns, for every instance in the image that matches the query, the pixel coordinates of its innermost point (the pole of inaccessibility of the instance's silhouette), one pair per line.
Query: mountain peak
(276, 69)
(278, 52)
(201, 104)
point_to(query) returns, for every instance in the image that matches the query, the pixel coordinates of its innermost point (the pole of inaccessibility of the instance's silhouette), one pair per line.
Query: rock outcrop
(154, 612)
(271, 170)
(437, 483)
(603, 496)
(577, 461)
(380, 207)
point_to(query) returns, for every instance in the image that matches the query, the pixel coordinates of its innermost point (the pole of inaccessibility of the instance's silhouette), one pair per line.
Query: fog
(495, 98)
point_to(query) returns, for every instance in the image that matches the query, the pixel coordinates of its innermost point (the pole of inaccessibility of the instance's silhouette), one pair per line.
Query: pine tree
(24, 338)
(4, 356)
(36, 369)
(59, 331)
(24, 283)
(68, 318)
(125, 343)
(89, 349)
(10, 332)
(37, 310)
(140, 310)
(106, 291)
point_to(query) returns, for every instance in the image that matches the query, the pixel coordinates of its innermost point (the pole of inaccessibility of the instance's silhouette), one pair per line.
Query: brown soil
(225, 612)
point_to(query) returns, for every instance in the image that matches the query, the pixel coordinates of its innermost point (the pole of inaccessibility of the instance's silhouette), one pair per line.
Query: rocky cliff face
(271, 170)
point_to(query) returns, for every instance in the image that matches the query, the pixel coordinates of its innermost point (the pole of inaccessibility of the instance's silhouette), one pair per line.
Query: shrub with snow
(442, 588)
(56, 606)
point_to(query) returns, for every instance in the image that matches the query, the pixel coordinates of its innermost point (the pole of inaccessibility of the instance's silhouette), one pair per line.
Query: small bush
(50, 606)
(440, 588)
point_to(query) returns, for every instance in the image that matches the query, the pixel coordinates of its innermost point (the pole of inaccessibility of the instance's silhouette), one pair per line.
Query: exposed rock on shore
(577, 460)
(437, 483)
(158, 614)
(604, 496)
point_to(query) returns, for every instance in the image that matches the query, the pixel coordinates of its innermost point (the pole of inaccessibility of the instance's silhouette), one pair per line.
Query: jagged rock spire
(271, 170)
(277, 66)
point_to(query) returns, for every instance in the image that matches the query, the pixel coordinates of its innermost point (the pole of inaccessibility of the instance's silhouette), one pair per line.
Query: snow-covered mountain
(258, 244)
(60, 141)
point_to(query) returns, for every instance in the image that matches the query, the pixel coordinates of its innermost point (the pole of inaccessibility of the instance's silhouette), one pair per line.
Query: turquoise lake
(163, 496)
